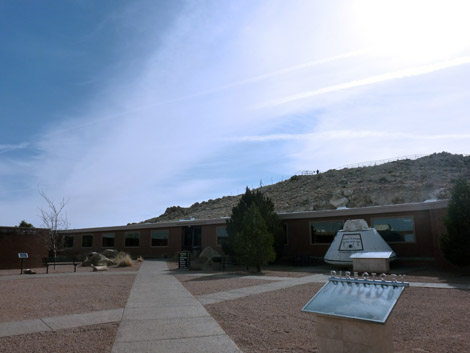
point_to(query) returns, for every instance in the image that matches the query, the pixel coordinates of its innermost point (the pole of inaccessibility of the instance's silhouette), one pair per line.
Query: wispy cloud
(349, 134)
(177, 126)
(400, 74)
(19, 146)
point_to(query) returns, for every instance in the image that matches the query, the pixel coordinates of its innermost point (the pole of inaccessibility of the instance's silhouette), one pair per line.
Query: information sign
(354, 298)
(184, 260)
(351, 242)
(22, 255)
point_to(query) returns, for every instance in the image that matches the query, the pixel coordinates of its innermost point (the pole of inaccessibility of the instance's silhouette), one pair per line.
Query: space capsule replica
(355, 237)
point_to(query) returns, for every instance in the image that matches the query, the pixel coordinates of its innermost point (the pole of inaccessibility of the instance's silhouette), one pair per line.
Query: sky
(125, 108)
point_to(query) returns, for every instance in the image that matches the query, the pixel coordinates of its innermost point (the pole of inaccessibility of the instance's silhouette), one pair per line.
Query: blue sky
(128, 107)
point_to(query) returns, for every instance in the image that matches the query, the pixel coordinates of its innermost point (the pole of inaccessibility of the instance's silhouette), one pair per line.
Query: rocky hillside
(402, 181)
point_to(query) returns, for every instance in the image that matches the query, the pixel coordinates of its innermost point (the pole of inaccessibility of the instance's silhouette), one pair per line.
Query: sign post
(22, 256)
(184, 260)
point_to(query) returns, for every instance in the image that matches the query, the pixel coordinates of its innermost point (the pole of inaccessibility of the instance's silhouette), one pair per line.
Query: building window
(222, 235)
(87, 241)
(68, 241)
(108, 240)
(132, 240)
(400, 229)
(324, 232)
(159, 238)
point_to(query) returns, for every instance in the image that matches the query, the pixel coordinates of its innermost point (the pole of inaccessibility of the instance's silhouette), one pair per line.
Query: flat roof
(342, 212)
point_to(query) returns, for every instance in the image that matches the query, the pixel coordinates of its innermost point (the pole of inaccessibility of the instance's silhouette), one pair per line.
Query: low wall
(14, 240)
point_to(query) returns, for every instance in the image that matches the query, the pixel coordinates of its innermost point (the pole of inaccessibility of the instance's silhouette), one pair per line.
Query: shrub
(455, 243)
(123, 260)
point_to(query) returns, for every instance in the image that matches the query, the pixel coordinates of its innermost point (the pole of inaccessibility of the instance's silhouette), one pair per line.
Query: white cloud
(177, 126)
(405, 73)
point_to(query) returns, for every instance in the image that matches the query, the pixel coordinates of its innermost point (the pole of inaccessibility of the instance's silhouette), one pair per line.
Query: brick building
(411, 230)
(14, 240)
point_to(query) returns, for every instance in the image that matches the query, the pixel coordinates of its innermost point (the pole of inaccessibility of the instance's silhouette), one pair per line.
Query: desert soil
(28, 297)
(425, 320)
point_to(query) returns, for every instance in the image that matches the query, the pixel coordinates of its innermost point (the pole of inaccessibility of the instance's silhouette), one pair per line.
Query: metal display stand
(352, 312)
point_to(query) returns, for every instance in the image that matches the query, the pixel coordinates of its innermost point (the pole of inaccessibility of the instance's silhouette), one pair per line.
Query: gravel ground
(91, 339)
(34, 298)
(425, 320)
(213, 284)
(27, 297)
(68, 269)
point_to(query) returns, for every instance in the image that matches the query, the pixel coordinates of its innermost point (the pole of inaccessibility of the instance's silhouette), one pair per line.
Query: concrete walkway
(162, 316)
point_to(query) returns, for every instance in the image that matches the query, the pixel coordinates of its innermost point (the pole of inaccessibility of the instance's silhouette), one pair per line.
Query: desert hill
(401, 181)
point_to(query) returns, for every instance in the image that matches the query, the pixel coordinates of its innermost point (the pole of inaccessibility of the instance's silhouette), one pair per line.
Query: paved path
(261, 288)
(162, 316)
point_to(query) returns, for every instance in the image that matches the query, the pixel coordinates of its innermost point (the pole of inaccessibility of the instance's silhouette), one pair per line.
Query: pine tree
(253, 244)
(237, 220)
(455, 243)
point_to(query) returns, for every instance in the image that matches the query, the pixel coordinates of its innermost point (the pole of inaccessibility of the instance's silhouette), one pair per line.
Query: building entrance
(192, 238)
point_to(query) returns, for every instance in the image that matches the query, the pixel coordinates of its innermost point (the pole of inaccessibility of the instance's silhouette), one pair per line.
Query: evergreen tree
(266, 209)
(455, 243)
(25, 224)
(253, 243)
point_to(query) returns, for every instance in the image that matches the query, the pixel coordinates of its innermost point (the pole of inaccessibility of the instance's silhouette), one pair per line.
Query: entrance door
(192, 238)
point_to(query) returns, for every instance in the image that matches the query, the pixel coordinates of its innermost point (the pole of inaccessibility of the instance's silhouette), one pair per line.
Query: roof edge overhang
(342, 212)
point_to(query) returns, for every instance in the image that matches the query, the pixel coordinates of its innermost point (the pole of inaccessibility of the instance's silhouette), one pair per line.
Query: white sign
(22, 255)
(351, 242)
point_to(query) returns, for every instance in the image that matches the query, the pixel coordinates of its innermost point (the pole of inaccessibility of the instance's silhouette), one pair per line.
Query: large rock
(207, 254)
(339, 201)
(110, 253)
(96, 259)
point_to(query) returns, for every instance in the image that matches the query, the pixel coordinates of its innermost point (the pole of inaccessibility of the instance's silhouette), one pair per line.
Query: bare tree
(54, 219)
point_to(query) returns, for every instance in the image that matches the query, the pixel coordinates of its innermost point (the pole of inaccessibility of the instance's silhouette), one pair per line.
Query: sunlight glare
(414, 31)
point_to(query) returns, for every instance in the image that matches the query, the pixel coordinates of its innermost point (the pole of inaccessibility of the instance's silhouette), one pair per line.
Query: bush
(123, 260)
(455, 243)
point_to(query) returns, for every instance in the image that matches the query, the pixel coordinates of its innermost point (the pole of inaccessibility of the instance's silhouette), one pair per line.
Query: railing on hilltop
(383, 161)
(371, 163)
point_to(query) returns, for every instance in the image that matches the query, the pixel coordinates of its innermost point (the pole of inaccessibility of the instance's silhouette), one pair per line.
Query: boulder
(110, 253)
(96, 259)
(99, 268)
(207, 254)
(338, 201)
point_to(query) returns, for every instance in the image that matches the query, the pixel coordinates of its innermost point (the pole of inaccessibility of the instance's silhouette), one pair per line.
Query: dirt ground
(425, 320)
(29, 297)
(90, 339)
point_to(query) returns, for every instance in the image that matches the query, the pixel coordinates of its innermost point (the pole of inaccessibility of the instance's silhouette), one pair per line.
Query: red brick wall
(144, 249)
(14, 240)
(428, 223)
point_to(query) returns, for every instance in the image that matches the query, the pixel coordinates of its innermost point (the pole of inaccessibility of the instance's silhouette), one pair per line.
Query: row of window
(159, 238)
(222, 234)
(399, 229)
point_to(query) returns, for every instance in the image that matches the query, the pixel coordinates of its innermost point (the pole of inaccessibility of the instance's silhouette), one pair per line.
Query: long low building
(412, 231)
